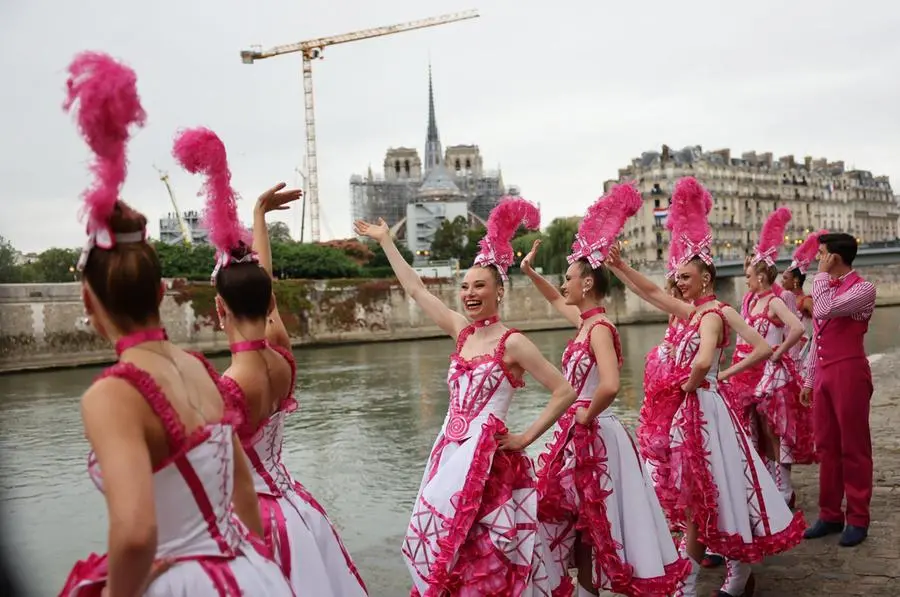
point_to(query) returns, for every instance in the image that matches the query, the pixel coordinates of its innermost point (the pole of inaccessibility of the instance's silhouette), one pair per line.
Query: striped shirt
(857, 303)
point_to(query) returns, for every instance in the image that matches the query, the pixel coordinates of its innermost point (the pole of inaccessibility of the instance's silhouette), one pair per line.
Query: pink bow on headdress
(688, 221)
(771, 237)
(502, 224)
(101, 237)
(224, 259)
(603, 223)
(806, 252)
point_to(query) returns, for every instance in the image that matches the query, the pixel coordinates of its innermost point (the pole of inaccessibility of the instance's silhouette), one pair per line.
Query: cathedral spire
(433, 152)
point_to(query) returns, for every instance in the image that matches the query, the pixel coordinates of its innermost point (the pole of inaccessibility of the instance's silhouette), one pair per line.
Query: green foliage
(450, 239)
(316, 262)
(559, 237)
(194, 262)
(279, 232)
(9, 272)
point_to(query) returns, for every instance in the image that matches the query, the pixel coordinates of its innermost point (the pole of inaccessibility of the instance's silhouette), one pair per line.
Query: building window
(406, 166)
(397, 166)
(468, 164)
(457, 165)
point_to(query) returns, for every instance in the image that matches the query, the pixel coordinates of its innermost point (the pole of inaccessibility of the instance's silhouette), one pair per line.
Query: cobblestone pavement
(822, 568)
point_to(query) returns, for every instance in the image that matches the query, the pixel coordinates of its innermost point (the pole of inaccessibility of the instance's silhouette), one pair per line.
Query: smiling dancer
(262, 376)
(597, 501)
(767, 395)
(473, 528)
(163, 450)
(722, 494)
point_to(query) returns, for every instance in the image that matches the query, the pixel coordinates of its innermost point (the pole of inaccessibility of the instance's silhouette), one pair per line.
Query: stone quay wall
(40, 323)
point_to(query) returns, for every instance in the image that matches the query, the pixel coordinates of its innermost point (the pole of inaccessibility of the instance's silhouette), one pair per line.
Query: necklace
(132, 340)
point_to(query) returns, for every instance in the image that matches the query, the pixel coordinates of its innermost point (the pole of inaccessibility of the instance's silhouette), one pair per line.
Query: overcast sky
(559, 94)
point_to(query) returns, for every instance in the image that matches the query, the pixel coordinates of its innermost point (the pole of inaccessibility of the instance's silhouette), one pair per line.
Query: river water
(369, 415)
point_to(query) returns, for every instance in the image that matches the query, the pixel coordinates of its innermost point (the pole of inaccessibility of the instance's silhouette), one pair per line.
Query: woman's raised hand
(614, 257)
(275, 199)
(377, 232)
(526, 264)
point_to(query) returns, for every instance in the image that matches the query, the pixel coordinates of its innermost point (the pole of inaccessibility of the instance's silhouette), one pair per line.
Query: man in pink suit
(840, 382)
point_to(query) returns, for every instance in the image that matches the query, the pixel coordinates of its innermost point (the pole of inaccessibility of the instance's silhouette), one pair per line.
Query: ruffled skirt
(717, 481)
(474, 530)
(249, 572)
(307, 547)
(593, 484)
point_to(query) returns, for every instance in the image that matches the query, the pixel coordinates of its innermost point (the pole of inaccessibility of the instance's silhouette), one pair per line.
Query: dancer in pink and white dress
(474, 527)
(793, 279)
(721, 493)
(261, 378)
(597, 500)
(164, 452)
(767, 396)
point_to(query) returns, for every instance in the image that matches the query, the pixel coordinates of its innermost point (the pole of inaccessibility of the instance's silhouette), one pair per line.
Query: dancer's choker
(483, 323)
(704, 299)
(585, 315)
(132, 340)
(248, 345)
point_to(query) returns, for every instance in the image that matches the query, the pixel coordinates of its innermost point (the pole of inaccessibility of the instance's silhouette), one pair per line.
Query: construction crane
(185, 231)
(312, 50)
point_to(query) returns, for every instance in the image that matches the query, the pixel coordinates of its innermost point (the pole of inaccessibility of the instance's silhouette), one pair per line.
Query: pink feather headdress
(688, 221)
(108, 105)
(806, 252)
(199, 150)
(502, 224)
(603, 223)
(771, 237)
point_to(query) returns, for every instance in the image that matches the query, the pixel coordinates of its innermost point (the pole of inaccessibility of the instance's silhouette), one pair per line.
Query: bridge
(866, 257)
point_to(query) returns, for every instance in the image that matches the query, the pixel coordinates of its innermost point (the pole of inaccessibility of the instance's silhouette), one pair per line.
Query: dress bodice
(687, 343)
(263, 442)
(479, 387)
(664, 348)
(193, 488)
(771, 330)
(579, 363)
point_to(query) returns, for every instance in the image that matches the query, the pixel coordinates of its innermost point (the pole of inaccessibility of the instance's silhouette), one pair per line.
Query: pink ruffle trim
(468, 563)
(591, 517)
(698, 495)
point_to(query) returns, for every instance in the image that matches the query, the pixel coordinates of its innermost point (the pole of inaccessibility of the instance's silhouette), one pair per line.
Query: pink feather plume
(200, 151)
(502, 224)
(806, 252)
(691, 203)
(772, 233)
(108, 105)
(606, 217)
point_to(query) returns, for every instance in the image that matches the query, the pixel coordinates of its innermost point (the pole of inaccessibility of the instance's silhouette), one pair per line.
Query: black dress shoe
(823, 528)
(853, 536)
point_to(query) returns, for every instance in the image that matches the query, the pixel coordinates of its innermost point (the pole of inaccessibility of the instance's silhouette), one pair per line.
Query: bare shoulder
(111, 393)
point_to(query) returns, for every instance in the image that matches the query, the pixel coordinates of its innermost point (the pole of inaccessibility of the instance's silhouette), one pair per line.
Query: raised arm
(761, 349)
(858, 300)
(273, 199)
(548, 290)
(645, 288)
(525, 354)
(111, 411)
(604, 349)
(446, 318)
(778, 308)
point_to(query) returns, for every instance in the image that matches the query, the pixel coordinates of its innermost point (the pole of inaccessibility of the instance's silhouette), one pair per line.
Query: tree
(559, 237)
(472, 247)
(312, 262)
(352, 248)
(56, 265)
(279, 232)
(450, 239)
(194, 262)
(9, 271)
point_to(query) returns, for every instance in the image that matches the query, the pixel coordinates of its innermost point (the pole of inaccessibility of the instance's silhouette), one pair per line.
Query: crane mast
(185, 231)
(311, 50)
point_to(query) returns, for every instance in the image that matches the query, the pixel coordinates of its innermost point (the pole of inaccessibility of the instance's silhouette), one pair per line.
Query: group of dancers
(189, 460)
